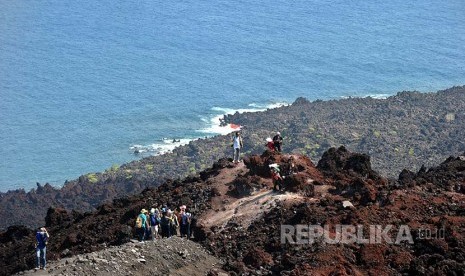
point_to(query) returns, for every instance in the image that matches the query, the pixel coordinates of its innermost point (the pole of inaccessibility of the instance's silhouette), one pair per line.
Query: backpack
(164, 221)
(138, 222)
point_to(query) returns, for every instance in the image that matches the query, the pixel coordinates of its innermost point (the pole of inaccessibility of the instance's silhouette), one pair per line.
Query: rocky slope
(403, 131)
(174, 256)
(239, 218)
(431, 199)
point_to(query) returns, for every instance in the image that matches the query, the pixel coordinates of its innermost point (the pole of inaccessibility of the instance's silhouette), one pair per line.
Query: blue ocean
(85, 83)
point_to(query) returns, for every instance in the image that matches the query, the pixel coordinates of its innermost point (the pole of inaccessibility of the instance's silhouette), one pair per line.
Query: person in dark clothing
(185, 221)
(165, 225)
(278, 141)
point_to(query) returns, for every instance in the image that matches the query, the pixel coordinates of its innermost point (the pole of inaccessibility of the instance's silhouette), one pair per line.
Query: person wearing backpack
(174, 223)
(41, 247)
(154, 222)
(165, 224)
(142, 225)
(278, 141)
(185, 219)
(277, 179)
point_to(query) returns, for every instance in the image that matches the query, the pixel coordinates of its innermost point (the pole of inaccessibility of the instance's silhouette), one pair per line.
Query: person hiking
(185, 219)
(270, 144)
(292, 167)
(237, 145)
(174, 223)
(154, 222)
(289, 167)
(41, 247)
(278, 141)
(277, 179)
(142, 225)
(165, 224)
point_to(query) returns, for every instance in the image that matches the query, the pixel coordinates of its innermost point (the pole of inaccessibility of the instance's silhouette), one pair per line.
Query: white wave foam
(216, 128)
(166, 145)
(374, 96)
(378, 96)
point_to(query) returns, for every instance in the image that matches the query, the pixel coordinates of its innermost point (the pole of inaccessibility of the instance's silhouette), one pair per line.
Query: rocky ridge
(431, 200)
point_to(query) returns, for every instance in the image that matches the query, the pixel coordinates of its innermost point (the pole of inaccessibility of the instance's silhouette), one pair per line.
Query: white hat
(279, 133)
(269, 139)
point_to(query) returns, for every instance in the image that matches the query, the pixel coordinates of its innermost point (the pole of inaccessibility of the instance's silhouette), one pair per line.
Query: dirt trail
(242, 211)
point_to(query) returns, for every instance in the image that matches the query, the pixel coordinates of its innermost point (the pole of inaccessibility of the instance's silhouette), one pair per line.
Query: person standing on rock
(41, 247)
(278, 141)
(237, 145)
(292, 167)
(277, 179)
(270, 144)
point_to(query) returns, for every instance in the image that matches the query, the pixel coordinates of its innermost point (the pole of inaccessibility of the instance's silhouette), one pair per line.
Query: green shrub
(149, 167)
(92, 178)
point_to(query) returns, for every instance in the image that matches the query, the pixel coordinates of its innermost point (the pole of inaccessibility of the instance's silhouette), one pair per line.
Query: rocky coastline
(405, 131)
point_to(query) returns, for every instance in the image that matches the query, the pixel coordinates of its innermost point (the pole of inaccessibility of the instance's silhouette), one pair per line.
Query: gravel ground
(173, 256)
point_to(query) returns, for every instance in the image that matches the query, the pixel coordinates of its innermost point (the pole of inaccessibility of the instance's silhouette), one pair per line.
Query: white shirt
(237, 142)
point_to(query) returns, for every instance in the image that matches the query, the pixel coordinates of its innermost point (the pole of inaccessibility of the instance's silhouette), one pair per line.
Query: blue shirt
(41, 239)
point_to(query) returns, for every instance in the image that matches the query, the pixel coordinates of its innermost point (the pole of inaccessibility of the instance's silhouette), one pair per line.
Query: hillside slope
(239, 218)
(176, 256)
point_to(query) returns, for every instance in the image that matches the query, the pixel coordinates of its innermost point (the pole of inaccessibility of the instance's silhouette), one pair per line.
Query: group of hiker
(274, 145)
(278, 174)
(163, 223)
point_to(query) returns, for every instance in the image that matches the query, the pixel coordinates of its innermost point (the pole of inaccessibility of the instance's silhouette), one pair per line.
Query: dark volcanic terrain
(239, 218)
(404, 131)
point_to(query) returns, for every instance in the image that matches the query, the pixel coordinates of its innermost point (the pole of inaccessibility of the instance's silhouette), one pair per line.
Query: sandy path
(242, 211)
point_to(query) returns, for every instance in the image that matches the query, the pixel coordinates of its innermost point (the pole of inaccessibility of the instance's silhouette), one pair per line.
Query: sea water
(83, 84)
